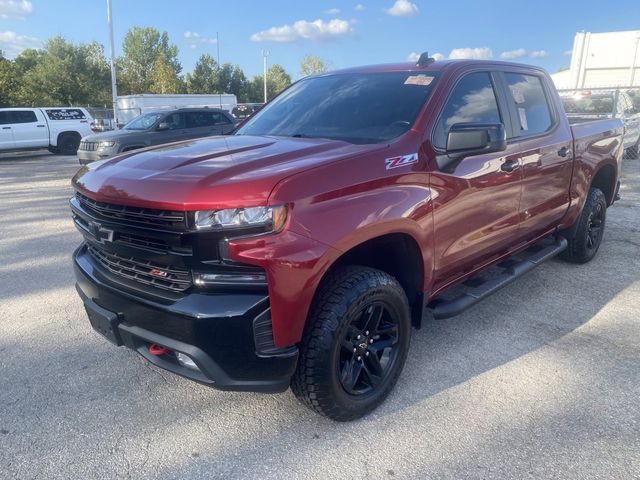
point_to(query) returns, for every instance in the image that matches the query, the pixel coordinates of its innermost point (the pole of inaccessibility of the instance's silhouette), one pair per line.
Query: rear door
(6, 133)
(177, 123)
(476, 203)
(545, 144)
(29, 129)
(200, 124)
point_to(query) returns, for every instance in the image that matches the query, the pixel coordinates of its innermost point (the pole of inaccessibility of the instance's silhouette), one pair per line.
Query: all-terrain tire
(585, 239)
(68, 143)
(334, 317)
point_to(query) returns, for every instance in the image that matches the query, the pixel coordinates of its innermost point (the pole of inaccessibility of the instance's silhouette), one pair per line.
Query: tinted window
(220, 118)
(354, 107)
(532, 109)
(199, 119)
(65, 114)
(4, 118)
(22, 116)
(472, 100)
(175, 121)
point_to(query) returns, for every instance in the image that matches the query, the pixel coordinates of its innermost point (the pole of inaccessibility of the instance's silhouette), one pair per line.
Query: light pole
(265, 54)
(114, 87)
(633, 64)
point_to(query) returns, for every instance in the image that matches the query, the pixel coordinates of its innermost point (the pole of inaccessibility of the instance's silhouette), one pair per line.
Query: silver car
(156, 128)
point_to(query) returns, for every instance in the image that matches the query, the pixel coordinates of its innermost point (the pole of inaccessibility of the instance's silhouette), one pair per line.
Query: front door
(476, 203)
(29, 131)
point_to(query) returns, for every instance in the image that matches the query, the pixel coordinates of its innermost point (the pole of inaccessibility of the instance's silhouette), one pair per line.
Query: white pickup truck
(58, 129)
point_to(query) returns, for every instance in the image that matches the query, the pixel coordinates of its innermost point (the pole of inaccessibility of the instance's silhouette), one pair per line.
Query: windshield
(589, 105)
(143, 122)
(354, 107)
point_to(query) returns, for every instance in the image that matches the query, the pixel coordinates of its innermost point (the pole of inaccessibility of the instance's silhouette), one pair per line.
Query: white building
(610, 59)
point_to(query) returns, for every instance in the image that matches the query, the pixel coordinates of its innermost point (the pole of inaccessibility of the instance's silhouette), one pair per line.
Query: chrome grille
(143, 271)
(88, 146)
(147, 217)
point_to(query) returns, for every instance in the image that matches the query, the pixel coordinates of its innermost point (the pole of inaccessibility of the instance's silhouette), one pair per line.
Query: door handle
(564, 151)
(40, 126)
(6, 128)
(510, 165)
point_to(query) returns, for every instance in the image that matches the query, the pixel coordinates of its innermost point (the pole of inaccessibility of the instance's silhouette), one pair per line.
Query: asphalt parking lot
(539, 381)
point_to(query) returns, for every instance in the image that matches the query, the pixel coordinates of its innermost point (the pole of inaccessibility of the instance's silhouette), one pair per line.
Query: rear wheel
(355, 343)
(585, 240)
(68, 143)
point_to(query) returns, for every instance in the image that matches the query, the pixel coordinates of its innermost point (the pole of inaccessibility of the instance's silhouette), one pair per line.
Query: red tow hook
(157, 350)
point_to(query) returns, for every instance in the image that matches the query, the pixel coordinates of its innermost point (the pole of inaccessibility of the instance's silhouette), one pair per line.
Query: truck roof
(435, 66)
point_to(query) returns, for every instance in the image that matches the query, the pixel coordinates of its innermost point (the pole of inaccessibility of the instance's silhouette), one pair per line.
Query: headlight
(106, 144)
(272, 218)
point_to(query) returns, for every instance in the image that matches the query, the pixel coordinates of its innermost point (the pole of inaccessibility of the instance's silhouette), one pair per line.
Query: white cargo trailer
(130, 106)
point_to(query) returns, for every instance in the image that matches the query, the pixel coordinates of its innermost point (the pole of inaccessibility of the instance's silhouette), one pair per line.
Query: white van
(58, 129)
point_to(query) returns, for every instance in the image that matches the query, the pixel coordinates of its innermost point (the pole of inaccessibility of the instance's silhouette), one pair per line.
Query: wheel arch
(605, 179)
(396, 253)
(67, 132)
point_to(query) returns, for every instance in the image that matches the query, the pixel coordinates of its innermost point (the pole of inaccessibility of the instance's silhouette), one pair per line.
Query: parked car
(244, 110)
(302, 249)
(58, 129)
(156, 128)
(586, 105)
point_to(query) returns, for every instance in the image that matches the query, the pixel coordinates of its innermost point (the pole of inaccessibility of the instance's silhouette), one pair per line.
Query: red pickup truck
(301, 250)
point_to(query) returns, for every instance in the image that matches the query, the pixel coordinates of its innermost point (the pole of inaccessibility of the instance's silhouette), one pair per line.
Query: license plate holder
(104, 322)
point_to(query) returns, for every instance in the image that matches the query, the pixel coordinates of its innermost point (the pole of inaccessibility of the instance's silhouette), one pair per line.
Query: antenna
(425, 60)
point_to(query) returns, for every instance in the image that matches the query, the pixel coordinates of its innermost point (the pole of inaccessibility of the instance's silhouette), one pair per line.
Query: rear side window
(532, 108)
(220, 118)
(66, 114)
(22, 116)
(473, 100)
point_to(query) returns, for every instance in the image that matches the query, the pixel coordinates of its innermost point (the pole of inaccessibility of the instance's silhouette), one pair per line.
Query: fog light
(186, 361)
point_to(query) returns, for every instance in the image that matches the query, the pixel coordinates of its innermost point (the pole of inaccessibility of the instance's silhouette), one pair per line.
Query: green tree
(164, 79)
(9, 82)
(142, 46)
(232, 80)
(204, 78)
(277, 80)
(64, 73)
(312, 65)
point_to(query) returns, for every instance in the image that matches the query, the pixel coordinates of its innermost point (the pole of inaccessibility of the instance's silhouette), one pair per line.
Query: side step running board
(511, 269)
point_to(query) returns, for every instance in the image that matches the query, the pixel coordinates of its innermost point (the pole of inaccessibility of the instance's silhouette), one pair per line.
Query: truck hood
(112, 135)
(208, 173)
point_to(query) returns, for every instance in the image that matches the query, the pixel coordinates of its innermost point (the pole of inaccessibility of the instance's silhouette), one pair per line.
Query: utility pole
(114, 86)
(265, 54)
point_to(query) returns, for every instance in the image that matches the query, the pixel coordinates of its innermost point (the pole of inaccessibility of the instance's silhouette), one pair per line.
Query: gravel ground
(539, 381)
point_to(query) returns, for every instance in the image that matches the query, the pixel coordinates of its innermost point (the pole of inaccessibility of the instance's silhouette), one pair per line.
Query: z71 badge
(401, 161)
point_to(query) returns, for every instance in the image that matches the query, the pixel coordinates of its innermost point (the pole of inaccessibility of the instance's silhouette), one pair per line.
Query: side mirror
(469, 139)
(162, 126)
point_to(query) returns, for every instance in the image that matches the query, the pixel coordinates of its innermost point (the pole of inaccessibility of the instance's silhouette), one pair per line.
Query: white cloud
(12, 44)
(568, 52)
(512, 54)
(414, 57)
(194, 39)
(482, 53)
(403, 8)
(318, 30)
(332, 11)
(539, 54)
(359, 8)
(15, 9)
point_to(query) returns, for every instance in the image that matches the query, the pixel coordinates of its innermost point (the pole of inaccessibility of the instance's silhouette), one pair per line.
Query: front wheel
(586, 238)
(68, 143)
(355, 343)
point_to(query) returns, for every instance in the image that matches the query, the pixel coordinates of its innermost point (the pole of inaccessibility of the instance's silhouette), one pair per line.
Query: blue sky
(345, 33)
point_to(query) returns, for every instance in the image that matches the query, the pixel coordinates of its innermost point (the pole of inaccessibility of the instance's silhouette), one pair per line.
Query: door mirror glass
(162, 126)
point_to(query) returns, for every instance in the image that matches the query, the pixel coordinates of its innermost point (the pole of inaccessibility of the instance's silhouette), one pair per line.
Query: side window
(198, 119)
(473, 100)
(175, 121)
(22, 116)
(4, 118)
(220, 118)
(532, 108)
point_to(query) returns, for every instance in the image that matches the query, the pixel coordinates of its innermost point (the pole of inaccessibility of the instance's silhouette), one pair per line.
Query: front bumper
(221, 332)
(88, 156)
